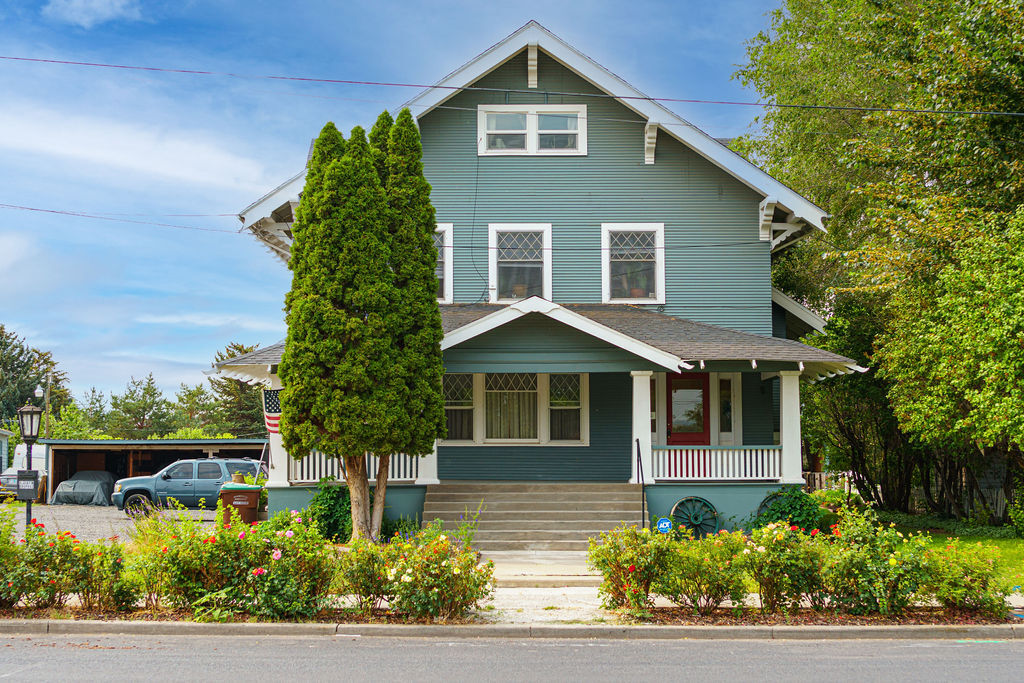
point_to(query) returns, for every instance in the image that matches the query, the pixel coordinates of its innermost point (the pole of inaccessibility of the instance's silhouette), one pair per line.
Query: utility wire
(454, 88)
(79, 214)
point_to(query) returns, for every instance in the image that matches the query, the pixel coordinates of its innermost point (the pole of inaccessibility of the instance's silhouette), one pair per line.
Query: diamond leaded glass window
(632, 257)
(520, 261)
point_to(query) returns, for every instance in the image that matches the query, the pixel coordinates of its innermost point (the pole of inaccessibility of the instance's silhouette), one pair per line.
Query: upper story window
(444, 268)
(537, 129)
(633, 263)
(519, 261)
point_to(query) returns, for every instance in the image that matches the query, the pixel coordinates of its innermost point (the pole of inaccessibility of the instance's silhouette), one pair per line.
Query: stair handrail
(643, 486)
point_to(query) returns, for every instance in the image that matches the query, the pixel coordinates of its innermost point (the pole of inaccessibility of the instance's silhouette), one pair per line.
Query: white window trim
(532, 139)
(543, 415)
(449, 267)
(659, 260)
(718, 437)
(492, 256)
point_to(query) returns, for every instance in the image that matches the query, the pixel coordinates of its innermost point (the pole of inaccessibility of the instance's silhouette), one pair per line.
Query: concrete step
(486, 545)
(594, 526)
(557, 516)
(473, 499)
(535, 535)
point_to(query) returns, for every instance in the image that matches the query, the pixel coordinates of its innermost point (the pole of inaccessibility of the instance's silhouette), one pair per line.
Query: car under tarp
(89, 487)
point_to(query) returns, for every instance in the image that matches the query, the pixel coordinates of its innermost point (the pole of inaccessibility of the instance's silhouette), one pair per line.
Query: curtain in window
(511, 406)
(564, 407)
(458, 406)
(439, 268)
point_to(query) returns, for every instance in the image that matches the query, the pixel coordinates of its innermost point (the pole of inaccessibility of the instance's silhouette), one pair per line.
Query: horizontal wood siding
(536, 343)
(717, 271)
(607, 458)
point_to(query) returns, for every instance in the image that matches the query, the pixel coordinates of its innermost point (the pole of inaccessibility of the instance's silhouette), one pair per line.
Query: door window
(182, 470)
(209, 470)
(688, 416)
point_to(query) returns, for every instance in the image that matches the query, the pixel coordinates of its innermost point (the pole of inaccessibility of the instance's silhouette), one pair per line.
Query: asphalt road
(148, 658)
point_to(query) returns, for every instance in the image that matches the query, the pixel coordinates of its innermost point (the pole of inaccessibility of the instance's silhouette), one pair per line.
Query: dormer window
(537, 129)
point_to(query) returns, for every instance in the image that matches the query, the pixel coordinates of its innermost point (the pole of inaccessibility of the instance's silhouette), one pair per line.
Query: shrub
(50, 568)
(1015, 508)
(331, 508)
(964, 577)
(947, 525)
(702, 573)
(104, 582)
(786, 566)
(629, 559)
(834, 499)
(794, 507)
(362, 574)
(436, 575)
(872, 568)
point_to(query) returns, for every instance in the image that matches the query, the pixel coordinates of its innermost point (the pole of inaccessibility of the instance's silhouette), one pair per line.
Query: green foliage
(240, 404)
(786, 566)
(835, 499)
(140, 412)
(630, 559)
(944, 525)
(22, 369)
(1015, 508)
(702, 573)
(197, 407)
(191, 433)
(362, 574)
(875, 569)
(331, 508)
(10, 566)
(74, 423)
(965, 577)
(793, 506)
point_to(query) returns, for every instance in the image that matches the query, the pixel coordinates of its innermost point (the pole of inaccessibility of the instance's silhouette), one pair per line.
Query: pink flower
(259, 571)
(277, 554)
(241, 535)
(289, 533)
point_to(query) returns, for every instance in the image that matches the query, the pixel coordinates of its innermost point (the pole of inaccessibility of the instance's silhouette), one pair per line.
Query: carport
(138, 457)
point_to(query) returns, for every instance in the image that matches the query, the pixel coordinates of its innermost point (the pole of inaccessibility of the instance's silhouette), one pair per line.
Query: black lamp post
(29, 418)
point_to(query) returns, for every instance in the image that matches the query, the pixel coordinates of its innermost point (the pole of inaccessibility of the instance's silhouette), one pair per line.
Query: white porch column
(792, 464)
(278, 455)
(427, 472)
(642, 426)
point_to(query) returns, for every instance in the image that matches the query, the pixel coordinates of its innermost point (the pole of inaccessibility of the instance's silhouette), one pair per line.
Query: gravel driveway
(92, 522)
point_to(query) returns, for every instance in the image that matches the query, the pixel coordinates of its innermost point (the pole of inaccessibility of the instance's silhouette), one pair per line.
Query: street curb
(579, 631)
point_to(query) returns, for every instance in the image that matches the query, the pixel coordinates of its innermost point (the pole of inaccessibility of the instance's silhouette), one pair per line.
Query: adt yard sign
(664, 525)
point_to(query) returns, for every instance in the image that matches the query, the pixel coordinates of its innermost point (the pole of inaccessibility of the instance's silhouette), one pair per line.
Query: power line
(455, 88)
(80, 214)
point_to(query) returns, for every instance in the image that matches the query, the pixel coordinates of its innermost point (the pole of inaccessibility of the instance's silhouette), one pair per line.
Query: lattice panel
(520, 246)
(564, 391)
(512, 381)
(458, 390)
(632, 245)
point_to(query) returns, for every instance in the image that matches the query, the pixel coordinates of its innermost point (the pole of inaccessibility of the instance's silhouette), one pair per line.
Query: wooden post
(641, 426)
(792, 463)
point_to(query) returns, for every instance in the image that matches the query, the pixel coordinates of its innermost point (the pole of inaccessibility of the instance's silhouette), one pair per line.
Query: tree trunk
(359, 492)
(383, 465)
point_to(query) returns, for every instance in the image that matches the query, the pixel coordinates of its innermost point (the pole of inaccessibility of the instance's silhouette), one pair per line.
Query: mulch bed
(915, 616)
(330, 616)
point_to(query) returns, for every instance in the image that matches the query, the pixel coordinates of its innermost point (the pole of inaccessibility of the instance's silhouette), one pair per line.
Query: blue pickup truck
(186, 481)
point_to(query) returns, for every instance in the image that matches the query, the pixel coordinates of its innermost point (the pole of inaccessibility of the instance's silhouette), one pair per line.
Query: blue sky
(112, 299)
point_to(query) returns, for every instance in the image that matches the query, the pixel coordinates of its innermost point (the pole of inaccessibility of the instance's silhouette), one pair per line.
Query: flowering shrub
(102, 580)
(50, 569)
(963, 577)
(702, 573)
(794, 507)
(278, 569)
(10, 569)
(874, 569)
(786, 566)
(362, 574)
(629, 559)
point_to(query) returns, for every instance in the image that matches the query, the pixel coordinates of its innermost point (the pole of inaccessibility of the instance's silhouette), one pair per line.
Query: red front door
(688, 409)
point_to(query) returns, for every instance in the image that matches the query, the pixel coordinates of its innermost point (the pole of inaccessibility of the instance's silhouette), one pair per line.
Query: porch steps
(528, 516)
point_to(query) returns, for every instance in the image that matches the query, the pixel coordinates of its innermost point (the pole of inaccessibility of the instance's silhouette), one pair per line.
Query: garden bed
(919, 616)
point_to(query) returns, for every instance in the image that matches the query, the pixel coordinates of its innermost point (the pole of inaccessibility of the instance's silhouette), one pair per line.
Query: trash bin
(243, 497)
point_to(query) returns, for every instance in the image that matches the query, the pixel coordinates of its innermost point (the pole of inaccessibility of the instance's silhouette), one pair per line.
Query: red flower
(814, 532)
(164, 549)
(32, 521)
(794, 528)
(632, 568)
(835, 532)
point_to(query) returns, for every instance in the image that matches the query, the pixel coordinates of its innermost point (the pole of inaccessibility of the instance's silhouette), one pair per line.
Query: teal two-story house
(611, 331)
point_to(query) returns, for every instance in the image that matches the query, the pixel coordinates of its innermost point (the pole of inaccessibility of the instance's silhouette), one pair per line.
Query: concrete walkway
(541, 569)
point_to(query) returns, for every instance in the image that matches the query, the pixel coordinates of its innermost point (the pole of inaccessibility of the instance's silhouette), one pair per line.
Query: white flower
(442, 537)
(746, 551)
(760, 548)
(406, 579)
(456, 570)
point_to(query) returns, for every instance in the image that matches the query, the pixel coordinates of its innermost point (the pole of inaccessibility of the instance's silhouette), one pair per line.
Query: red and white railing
(317, 465)
(717, 463)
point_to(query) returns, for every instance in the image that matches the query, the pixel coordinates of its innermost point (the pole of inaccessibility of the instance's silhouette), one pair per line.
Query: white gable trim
(799, 310)
(673, 124)
(288, 191)
(536, 304)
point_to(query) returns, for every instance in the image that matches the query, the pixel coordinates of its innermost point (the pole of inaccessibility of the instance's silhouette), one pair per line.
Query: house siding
(607, 458)
(717, 270)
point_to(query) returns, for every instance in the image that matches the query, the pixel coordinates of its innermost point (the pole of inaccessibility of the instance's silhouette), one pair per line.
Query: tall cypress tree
(379, 135)
(340, 394)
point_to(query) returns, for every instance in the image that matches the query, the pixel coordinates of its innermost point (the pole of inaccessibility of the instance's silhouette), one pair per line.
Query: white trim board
(536, 304)
(653, 112)
(794, 307)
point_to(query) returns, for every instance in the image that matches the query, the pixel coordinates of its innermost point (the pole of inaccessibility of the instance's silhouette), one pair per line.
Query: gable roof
(673, 343)
(532, 33)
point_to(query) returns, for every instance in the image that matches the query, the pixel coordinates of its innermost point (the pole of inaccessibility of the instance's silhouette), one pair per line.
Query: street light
(29, 418)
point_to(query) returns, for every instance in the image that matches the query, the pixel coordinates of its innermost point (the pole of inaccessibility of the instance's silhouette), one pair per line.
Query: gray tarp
(89, 487)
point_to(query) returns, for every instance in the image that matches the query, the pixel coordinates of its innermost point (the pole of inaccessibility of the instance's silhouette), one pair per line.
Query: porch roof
(653, 335)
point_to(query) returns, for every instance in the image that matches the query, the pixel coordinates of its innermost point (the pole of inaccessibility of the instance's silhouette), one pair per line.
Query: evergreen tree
(141, 411)
(341, 394)
(379, 145)
(197, 407)
(241, 405)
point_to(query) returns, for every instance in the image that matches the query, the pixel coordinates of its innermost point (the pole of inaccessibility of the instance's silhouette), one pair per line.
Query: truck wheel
(137, 504)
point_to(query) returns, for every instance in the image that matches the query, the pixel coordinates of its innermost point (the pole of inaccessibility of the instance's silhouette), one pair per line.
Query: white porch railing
(317, 465)
(717, 463)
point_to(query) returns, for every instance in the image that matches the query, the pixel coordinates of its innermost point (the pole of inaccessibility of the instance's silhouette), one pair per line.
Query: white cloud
(88, 13)
(14, 251)
(180, 155)
(213, 320)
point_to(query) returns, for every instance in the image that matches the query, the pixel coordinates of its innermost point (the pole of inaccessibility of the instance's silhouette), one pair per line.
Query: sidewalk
(541, 569)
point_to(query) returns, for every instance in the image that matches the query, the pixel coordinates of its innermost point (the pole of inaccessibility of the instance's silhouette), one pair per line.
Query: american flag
(272, 409)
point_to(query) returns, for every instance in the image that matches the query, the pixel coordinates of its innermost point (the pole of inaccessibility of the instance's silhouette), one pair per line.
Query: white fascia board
(797, 309)
(536, 304)
(676, 126)
(262, 208)
(251, 374)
